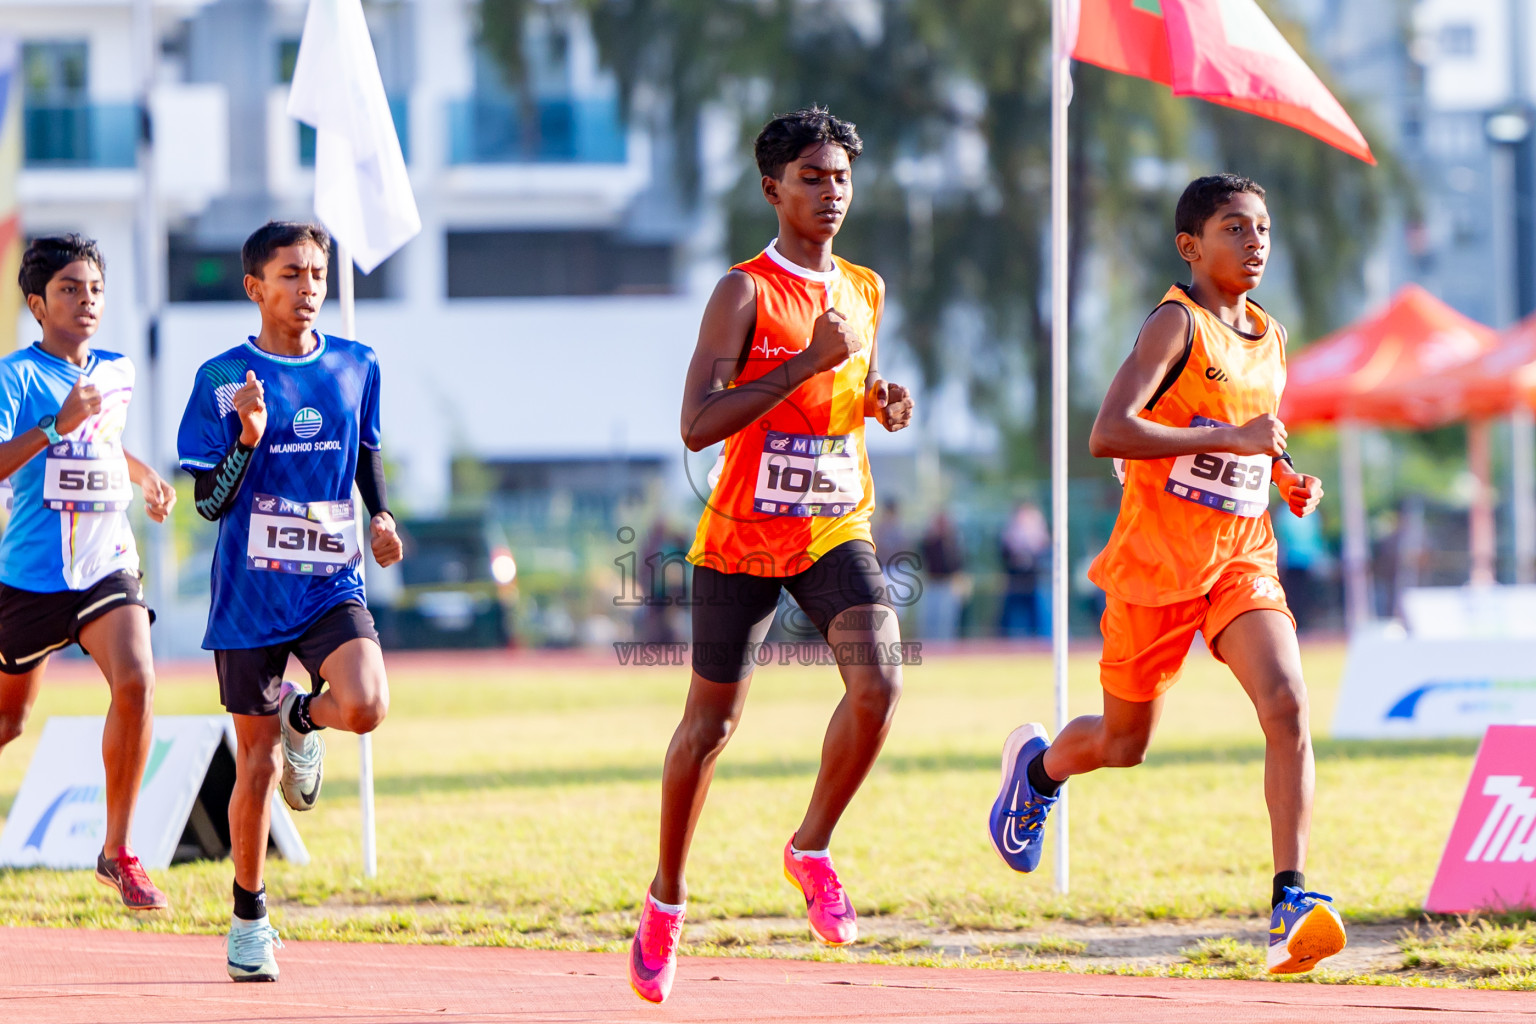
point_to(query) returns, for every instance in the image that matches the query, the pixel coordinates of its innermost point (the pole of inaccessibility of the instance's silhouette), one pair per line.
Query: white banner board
(59, 818)
(1407, 687)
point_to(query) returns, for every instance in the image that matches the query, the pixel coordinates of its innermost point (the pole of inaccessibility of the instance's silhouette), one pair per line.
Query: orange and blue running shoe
(125, 874)
(828, 907)
(1303, 930)
(1017, 823)
(653, 954)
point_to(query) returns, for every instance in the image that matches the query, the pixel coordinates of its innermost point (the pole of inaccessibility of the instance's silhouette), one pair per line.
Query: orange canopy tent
(1498, 382)
(1383, 370)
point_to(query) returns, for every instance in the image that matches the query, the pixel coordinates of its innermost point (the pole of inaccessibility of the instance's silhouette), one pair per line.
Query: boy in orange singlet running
(784, 374)
(1192, 414)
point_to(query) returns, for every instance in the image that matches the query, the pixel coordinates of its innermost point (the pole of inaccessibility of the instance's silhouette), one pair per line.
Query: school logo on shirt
(307, 422)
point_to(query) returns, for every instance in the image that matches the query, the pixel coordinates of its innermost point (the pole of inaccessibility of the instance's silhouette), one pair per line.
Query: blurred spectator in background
(664, 573)
(946, 585)
(890, 538)
(1025, 545)
(1303, 555)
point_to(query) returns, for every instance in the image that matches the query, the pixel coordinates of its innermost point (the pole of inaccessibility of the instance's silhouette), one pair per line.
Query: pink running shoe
(653, 954)
(832, 918)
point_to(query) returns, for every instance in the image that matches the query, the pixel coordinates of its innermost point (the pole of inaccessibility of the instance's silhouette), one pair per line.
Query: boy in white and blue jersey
(277, 431)
(69, 570)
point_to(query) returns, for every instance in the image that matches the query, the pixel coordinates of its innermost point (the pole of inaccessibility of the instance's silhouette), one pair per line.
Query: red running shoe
(653, 953)
(125, 874)
(831, 914)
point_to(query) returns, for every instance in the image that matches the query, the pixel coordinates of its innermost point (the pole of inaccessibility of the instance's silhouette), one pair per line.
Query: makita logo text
(1507, 834)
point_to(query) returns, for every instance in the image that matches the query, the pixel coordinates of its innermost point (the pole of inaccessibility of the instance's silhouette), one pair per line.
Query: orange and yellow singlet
(1186, 521)
(795, 484)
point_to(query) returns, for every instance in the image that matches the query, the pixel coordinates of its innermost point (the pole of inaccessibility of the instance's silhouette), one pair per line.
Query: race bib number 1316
(315, 538)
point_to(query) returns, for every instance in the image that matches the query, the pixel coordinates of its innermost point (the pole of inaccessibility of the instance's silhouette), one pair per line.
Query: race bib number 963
(808, 475)
(315, 538)
(82, 476)
(1235, 484)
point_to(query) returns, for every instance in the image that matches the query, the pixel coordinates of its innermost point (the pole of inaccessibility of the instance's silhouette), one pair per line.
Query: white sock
(666, 908)
(802, 854)
(241, 924)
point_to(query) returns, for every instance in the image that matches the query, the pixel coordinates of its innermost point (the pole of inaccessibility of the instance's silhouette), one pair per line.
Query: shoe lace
(132, 872)
(306, 755)
(250, 944)
(665, 928)
(1031, 816)
(1295, 895)
(825, 885)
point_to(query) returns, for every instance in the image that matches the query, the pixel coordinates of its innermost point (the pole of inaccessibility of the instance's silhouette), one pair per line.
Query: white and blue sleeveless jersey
(67, 539)
(288, 549)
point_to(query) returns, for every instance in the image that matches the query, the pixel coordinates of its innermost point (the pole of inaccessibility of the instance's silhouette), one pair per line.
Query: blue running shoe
(1303, 930)
(248, 949)
(1017, 824)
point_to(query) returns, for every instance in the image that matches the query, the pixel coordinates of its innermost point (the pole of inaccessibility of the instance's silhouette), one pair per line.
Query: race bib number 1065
(808, 475)
(1235, 484)
(315, 538)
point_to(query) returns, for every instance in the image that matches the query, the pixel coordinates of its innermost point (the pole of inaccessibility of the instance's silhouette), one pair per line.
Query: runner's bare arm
(713, 411)
(82, 402)
(890, 404)
(159, 496)
(1119, 432)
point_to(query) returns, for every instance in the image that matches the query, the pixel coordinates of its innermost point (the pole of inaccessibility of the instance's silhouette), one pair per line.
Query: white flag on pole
(362, 192)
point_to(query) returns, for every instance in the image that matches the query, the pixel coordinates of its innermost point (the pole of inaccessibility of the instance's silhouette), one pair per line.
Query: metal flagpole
(365, 741)
(1060, 95)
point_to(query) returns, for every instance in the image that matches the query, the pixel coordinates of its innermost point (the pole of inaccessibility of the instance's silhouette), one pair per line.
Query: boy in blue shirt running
(277, 431)
(69, 570)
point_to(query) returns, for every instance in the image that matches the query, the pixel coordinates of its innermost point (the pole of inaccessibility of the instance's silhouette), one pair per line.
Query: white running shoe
(249, 950)
(303, 756)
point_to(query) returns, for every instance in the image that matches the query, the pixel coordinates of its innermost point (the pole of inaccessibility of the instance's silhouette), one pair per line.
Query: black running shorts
(734, 610)
(33, 625)
(251, 678)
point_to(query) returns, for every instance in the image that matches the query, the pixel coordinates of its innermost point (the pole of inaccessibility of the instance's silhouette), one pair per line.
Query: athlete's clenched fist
(82, 402)
(1300, 491)
(891, 404)
(251, 404)
(833, 341)
(1262, 435)
(387, 548)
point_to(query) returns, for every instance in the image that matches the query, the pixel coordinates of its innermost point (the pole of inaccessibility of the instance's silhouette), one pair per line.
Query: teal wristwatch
(46, 426)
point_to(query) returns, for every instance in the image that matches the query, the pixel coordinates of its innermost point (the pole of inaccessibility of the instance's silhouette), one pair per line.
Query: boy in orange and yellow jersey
(784, 374)
(1192, 414)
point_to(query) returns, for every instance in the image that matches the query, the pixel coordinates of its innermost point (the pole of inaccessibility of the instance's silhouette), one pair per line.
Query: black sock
(298, 716)
(1039, 781)
(251, 906)
(1283, 879)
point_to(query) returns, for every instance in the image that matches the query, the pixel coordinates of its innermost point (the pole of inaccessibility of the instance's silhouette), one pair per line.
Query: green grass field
(518, 806)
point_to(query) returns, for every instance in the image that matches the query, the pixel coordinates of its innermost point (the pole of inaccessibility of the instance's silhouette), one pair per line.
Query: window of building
(201, 273)
(55, 73)
(502, 264)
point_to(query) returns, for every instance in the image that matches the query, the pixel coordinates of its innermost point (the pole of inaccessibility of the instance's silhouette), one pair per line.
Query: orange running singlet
(1185, 522)
(795, 484)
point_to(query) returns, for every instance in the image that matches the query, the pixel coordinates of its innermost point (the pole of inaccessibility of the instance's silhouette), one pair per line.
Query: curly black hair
(1204, 196)
(46, 256)
(264, 242)
(788, 135)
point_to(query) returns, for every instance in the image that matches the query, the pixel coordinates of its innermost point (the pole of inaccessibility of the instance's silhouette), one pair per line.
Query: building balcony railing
(497, 131)
(88, 135)
(399, 111)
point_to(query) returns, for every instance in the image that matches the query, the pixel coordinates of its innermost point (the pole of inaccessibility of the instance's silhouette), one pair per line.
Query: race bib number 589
(83, 476)
(315, 538)
(1235, 484)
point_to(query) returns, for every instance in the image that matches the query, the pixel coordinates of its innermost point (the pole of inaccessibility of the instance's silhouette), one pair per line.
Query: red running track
(56, 976)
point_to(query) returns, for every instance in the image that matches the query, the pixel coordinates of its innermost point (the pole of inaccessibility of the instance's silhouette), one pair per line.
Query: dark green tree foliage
(953, 190)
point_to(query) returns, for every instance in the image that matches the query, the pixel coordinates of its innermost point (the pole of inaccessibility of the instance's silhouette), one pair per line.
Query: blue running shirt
(69, 521)
(288, 547)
